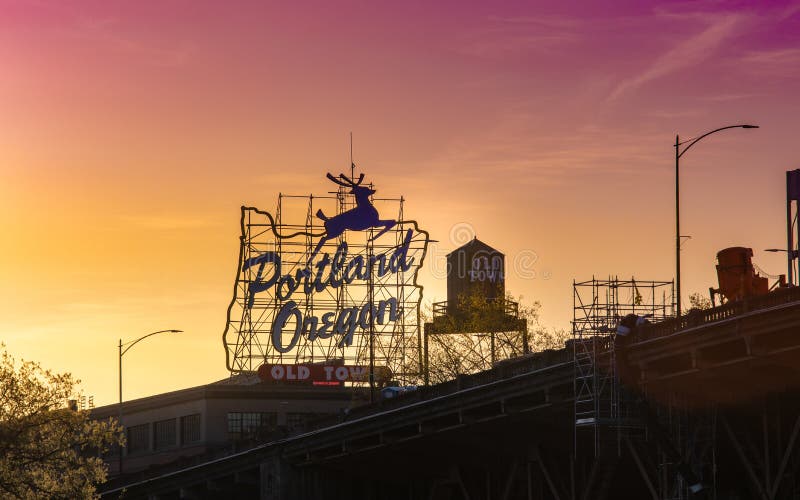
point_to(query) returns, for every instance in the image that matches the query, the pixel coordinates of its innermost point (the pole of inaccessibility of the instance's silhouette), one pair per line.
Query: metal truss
(455, 349)
(598, 307)
(293, 234)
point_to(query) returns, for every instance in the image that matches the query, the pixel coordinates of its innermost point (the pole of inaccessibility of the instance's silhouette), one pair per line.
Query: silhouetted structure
(222, 416)
(717, 413)
(476, 306)
(737, 277)
(328, 254)
(474, 268)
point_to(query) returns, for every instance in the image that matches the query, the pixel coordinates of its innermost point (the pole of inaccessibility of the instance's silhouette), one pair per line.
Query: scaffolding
(598, 306)
(693, 435)
(294, 235)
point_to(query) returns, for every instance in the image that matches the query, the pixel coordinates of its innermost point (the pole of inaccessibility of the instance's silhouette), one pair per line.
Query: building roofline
(472, 242)
(221, 390)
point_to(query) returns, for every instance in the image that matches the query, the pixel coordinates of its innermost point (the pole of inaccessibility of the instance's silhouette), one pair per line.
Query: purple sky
(131, 132)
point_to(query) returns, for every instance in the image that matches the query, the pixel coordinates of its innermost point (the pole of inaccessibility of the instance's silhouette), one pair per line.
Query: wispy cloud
(168, 221)
(670, 114)
(108, 33)
(105, 32)
(690, 52)
(732, 97)
(517, 149)
(774, 63)
(503, 36)
(790, 11)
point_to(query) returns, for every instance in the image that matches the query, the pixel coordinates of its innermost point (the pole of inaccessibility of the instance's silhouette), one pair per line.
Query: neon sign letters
(325, 277)
(328, 272)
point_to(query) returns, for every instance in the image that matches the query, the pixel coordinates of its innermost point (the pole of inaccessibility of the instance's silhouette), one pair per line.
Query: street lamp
(678, 153)
(792, 255)
(122, 351)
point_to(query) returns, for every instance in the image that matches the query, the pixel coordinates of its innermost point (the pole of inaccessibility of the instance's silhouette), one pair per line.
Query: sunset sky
(132, 131)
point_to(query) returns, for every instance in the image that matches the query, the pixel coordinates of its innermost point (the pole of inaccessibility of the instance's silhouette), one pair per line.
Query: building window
(138, 438)
(190, 429)
(165, 433)
(297, 421)
(250, 425)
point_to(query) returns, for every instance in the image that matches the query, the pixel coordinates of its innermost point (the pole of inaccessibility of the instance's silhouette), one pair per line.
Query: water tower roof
(475, 244)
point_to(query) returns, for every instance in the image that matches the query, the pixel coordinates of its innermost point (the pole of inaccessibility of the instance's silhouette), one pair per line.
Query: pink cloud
(774, 62)
(688, 53)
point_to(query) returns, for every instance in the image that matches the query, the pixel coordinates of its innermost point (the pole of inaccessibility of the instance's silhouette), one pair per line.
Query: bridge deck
(731, 355)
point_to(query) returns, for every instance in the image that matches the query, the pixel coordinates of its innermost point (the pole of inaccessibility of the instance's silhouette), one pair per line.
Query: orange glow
(132, 132)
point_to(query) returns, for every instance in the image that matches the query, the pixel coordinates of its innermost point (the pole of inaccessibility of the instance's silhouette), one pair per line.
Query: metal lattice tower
(598, 307)
(396, 343)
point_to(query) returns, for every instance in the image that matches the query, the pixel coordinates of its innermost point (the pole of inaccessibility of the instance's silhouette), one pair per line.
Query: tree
(699, 301)
(481, 333)
(48, 450)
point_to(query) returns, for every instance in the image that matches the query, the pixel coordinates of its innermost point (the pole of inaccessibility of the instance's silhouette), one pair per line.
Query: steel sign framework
(326, 281)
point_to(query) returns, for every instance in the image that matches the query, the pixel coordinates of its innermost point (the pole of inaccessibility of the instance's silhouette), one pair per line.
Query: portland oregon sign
(326, 285)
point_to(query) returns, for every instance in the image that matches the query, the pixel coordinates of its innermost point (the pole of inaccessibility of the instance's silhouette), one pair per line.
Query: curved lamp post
(127, 346)
(791, 256)
(679, 151)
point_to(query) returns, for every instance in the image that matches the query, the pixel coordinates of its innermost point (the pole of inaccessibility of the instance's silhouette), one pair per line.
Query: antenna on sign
(352, 165)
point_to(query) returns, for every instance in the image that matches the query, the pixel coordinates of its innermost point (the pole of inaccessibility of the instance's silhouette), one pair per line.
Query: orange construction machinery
(737, 276)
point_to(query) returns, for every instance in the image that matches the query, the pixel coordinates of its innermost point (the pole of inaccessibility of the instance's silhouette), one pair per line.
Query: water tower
(475, 269)
(476, 322)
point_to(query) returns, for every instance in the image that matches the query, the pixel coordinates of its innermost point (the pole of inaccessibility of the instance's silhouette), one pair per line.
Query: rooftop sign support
(327, 281)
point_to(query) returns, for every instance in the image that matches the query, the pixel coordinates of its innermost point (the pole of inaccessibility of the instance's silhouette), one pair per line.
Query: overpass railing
(503, 370)
(697, 317)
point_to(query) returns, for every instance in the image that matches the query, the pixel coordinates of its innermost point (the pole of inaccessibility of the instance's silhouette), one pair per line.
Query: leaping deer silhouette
(363, 216)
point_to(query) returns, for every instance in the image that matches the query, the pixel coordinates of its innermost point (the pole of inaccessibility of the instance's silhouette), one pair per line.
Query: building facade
(225, 415)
